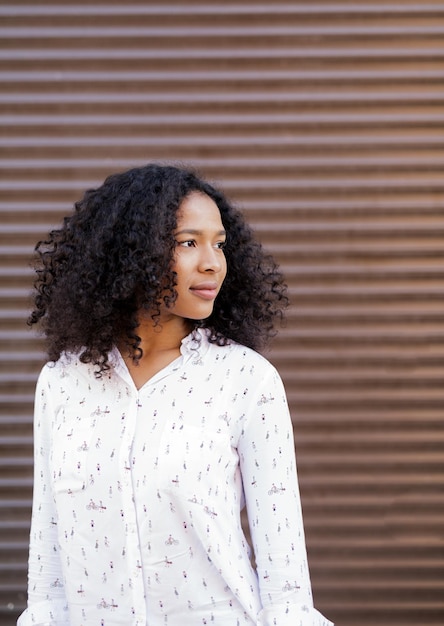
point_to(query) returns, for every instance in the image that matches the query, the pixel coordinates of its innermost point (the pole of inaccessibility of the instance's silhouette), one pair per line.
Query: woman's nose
(211, 259)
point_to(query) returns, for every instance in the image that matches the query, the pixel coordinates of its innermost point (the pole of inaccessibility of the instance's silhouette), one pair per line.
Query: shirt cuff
(45, 613)
(291, 615)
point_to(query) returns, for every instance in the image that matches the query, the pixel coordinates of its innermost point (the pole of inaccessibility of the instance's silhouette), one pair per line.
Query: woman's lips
(207, 291)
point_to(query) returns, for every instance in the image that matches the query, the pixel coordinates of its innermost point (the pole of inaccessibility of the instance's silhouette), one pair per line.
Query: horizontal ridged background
(324, 122)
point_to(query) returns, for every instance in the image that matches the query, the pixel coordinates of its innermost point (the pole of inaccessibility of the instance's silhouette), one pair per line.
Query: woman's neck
(160, 346)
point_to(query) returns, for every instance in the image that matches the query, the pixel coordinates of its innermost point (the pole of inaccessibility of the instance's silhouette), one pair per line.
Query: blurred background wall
(324, 122)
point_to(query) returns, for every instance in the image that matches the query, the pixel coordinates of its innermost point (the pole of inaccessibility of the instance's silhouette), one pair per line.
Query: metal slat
(320, 10)
(235, 141)
(375, 31)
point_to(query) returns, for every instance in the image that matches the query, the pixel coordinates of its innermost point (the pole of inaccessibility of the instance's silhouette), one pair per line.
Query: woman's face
(199, 260)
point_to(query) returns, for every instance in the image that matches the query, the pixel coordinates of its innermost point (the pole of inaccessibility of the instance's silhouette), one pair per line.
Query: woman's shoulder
(238, 353)
(67, 364)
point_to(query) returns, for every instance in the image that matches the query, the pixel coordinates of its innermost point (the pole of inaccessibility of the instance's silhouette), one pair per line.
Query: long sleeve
(268, 466)
(46, 598)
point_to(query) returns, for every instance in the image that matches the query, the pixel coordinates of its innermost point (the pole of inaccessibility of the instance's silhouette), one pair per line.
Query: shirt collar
(192, 349)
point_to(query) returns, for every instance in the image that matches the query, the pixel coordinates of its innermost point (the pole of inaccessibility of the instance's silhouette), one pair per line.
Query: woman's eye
(191, 243)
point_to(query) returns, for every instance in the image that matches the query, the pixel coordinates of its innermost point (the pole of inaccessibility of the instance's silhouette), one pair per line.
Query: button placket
(129, 515)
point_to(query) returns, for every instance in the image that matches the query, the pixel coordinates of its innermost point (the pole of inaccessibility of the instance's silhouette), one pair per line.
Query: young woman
(156, 421)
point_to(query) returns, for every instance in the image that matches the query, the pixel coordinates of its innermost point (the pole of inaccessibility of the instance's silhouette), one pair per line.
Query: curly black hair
(113, 257)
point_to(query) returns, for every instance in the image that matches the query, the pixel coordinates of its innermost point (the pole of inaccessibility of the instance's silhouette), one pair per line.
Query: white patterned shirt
(138, 493)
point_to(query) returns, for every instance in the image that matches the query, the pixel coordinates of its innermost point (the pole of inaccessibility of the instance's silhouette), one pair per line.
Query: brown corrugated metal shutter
(325, 122)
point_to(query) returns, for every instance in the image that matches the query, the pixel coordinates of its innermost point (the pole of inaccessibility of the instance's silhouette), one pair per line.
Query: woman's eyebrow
(194, 231)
